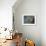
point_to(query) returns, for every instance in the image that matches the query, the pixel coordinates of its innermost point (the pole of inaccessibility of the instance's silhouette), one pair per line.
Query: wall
(32, 32)
(6, 13)
(43, 22)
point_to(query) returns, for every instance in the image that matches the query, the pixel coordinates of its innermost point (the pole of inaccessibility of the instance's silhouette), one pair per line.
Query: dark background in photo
(29, 19)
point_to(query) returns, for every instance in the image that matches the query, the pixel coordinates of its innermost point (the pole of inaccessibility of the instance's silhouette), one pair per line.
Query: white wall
(43, 22)
(6, 13)
(31, 31)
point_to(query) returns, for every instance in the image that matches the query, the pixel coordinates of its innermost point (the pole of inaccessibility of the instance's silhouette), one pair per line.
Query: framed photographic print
(28, 20)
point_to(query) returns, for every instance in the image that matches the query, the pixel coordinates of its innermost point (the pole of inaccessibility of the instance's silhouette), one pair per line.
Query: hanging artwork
(28, 20)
